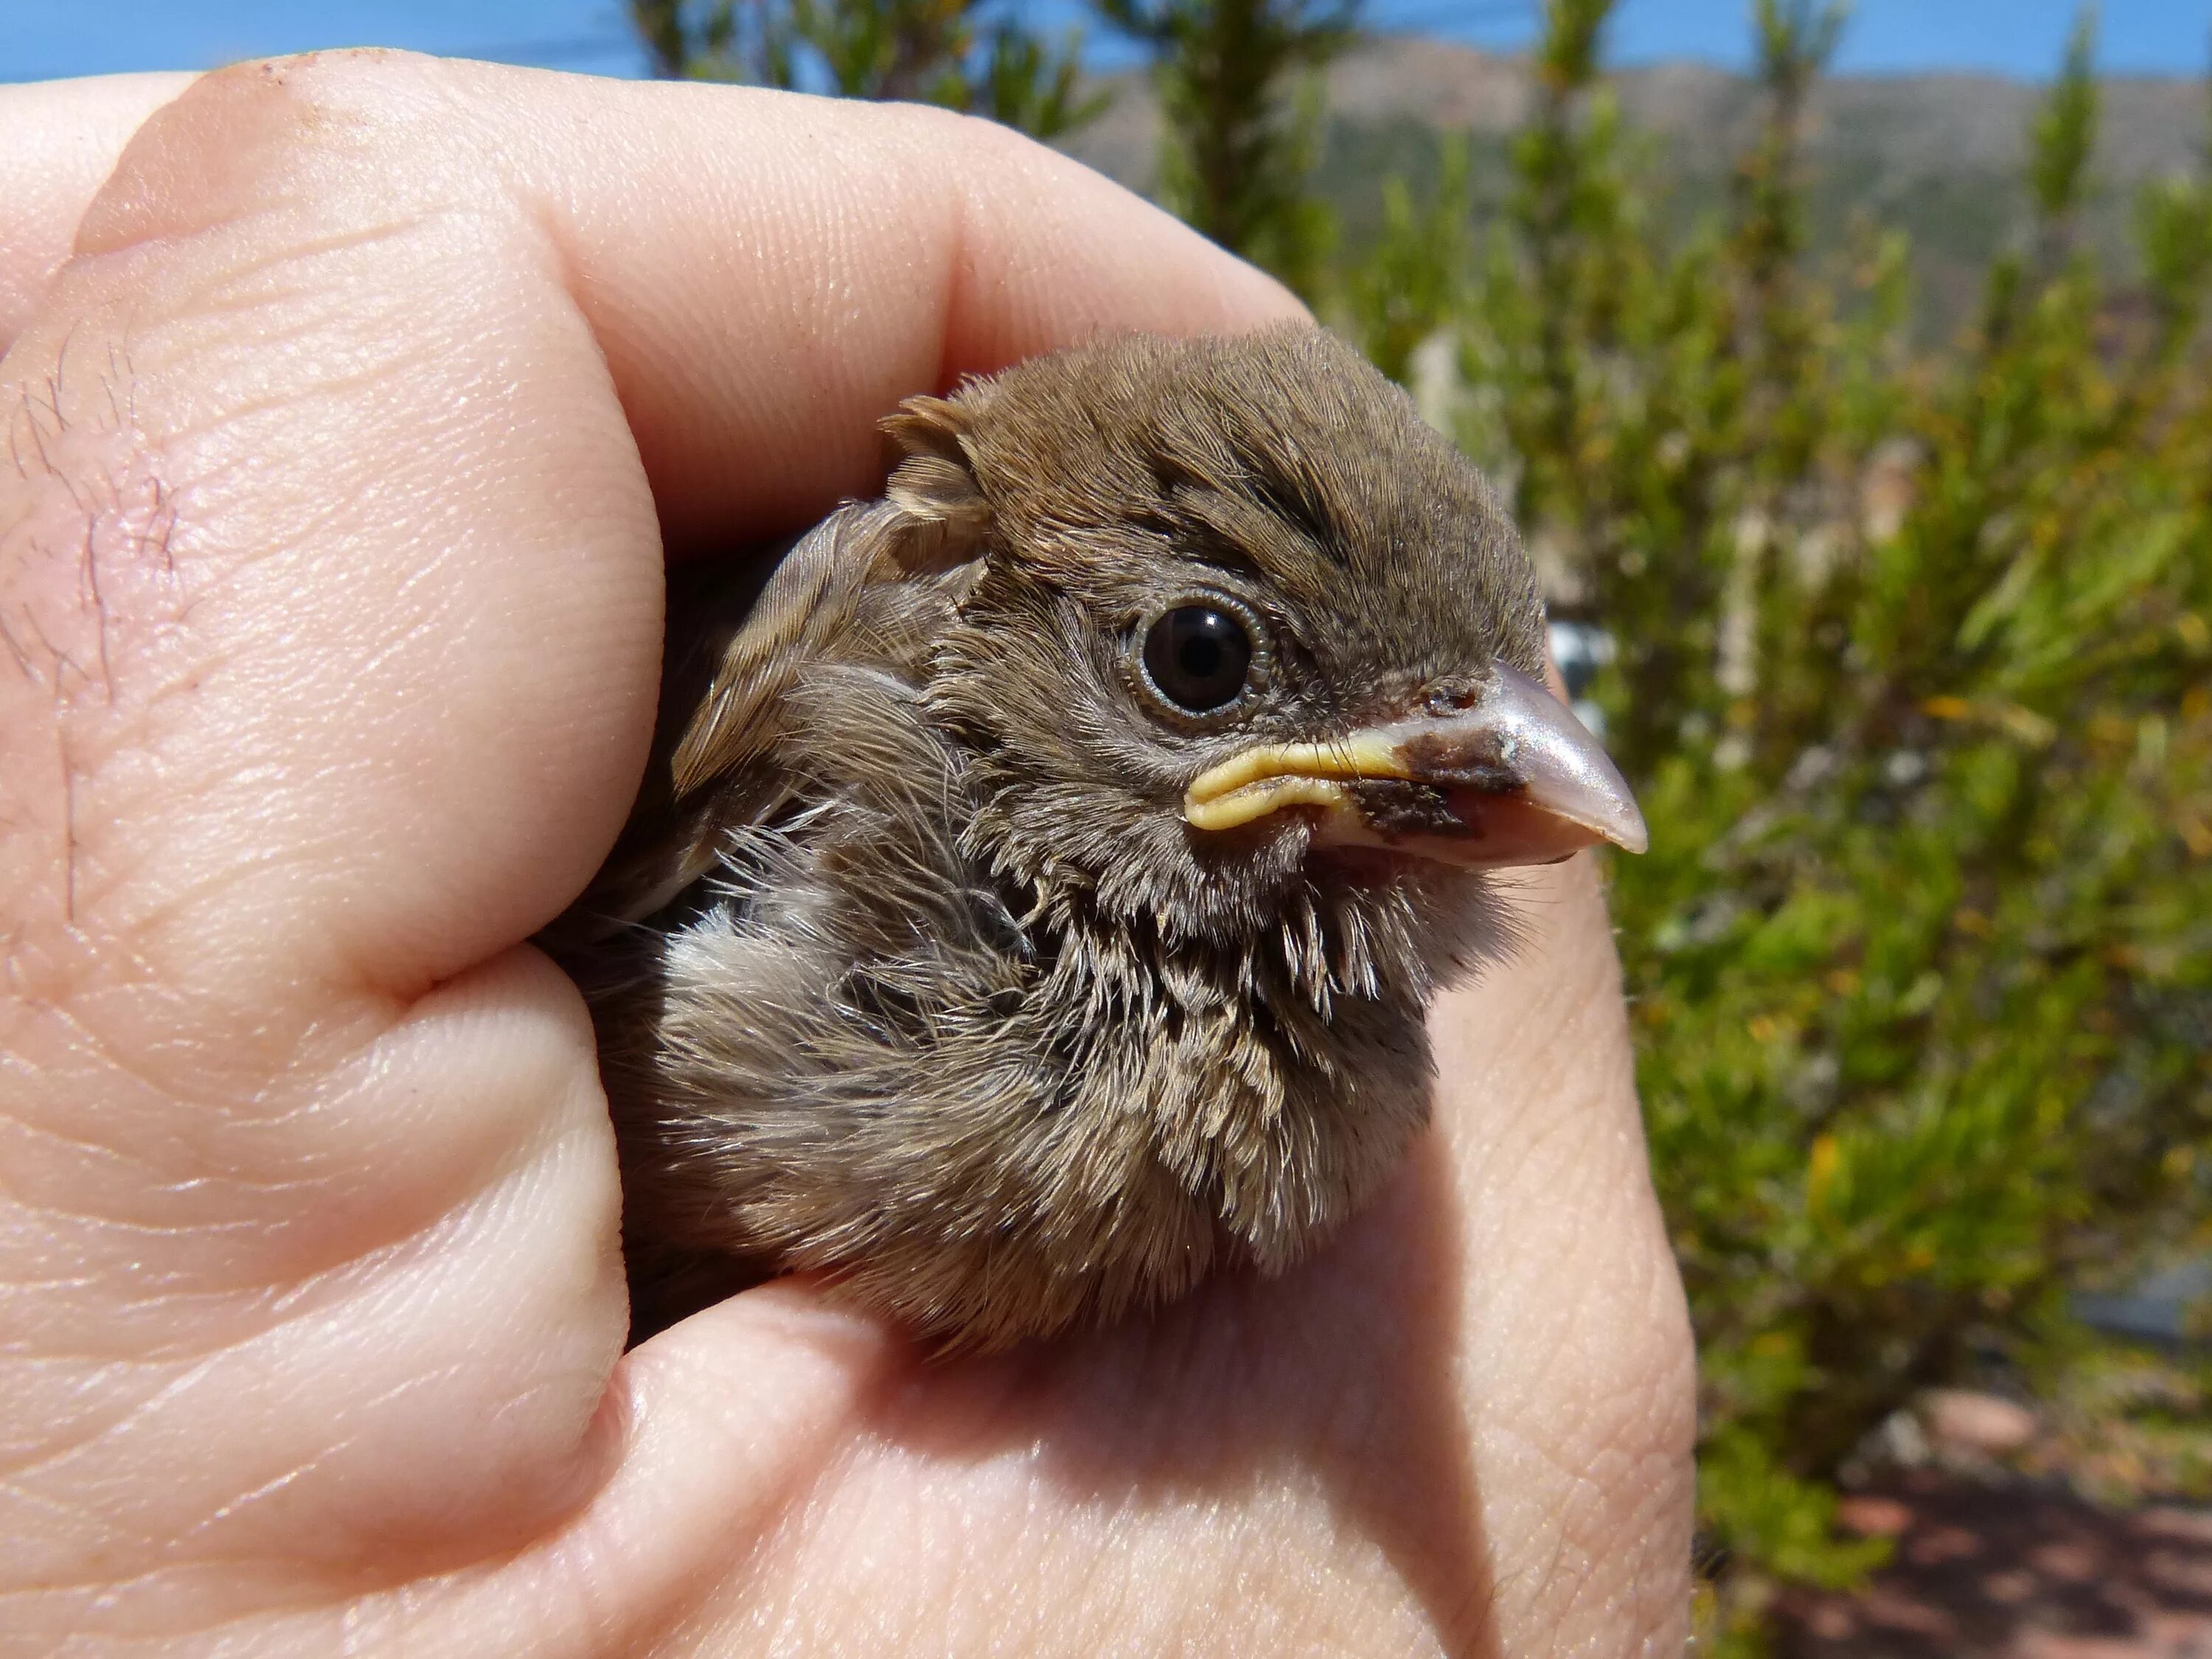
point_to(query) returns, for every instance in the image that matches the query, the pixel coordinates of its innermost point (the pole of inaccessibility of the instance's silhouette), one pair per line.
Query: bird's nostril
(1450, 696)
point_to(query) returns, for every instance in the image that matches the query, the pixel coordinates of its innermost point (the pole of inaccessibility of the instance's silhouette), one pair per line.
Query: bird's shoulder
(761, 653)
(736, 649)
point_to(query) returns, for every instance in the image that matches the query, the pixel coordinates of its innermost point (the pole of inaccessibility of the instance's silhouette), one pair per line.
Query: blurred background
(1846, 372)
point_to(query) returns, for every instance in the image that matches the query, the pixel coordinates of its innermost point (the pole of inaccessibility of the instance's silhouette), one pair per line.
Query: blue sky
(2023, 38)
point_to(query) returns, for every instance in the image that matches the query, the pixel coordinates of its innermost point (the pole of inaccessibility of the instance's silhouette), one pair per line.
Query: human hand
(339, 460)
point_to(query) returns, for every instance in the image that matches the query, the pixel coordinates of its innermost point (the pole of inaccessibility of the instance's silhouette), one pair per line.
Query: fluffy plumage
(910, 967)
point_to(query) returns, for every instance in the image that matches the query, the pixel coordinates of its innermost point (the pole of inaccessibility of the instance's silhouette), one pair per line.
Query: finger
(768, 274)
(58, 139)
(1577, 1378)
(719, 1439)
(759, 285)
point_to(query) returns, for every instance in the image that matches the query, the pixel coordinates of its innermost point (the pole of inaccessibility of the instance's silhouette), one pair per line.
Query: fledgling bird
(1043, 877)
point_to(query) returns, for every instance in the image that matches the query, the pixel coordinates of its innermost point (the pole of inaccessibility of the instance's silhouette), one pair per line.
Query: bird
(1043, 873)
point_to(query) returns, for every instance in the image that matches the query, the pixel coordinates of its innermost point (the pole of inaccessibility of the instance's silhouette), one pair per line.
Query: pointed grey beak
(1514, 779)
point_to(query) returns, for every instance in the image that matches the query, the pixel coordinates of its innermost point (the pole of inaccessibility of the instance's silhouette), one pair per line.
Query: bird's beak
(1512, 778)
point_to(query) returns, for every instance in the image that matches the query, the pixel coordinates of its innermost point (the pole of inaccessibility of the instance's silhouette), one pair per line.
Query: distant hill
(1937, 156)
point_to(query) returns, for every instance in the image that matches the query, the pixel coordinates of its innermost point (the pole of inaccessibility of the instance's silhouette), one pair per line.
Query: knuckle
(974, 143)
(274, 132)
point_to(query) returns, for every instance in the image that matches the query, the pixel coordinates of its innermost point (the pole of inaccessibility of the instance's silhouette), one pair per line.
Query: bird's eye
(1199, 657)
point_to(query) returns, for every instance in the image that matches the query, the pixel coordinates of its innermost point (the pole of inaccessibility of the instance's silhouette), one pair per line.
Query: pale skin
(345, 413)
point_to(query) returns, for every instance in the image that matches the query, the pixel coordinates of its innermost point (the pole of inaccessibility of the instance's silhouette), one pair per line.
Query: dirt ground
(2012, 1571)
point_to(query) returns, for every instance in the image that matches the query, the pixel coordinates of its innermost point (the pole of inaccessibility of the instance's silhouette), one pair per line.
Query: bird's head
(1238, 630)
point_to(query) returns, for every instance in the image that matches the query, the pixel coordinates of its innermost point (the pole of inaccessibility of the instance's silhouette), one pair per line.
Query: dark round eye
(1199, 657)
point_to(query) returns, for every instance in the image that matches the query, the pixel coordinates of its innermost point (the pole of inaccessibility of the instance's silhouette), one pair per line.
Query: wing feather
(808, 603)
(736, 647)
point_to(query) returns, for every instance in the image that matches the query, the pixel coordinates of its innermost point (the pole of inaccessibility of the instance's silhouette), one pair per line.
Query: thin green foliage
(961, 54)
(1239, 100)
(1413, 283)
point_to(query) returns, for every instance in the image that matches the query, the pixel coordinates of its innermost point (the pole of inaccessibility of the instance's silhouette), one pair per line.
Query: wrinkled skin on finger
(345, 419)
